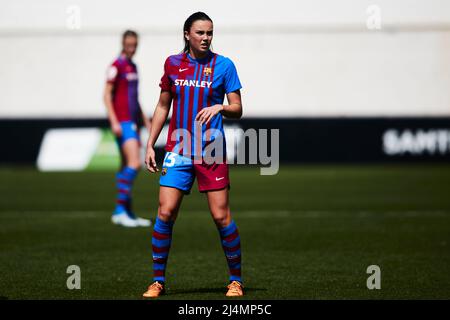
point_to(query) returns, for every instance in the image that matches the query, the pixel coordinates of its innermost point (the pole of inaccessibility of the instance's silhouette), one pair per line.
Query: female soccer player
(125, 116)
(197, 81)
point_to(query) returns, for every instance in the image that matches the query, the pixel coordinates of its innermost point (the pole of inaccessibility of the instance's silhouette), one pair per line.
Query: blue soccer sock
(231, 244)
(124, 179)
(161, 240)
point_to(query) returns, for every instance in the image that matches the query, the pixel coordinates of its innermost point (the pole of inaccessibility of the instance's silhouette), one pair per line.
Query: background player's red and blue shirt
(196, 84)
(124, 76)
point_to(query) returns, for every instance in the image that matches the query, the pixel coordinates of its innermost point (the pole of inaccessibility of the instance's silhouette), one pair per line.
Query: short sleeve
(165, 82)
(231, 82)
(112, 73)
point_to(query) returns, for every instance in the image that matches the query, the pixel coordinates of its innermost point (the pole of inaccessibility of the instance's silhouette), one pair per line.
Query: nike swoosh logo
(181, 70)
(218, 179)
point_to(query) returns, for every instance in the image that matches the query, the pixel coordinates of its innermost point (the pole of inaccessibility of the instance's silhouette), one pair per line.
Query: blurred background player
(125, 117)
(197, 81)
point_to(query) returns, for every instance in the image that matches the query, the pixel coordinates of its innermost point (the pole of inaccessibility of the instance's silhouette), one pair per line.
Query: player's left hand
(205, 115)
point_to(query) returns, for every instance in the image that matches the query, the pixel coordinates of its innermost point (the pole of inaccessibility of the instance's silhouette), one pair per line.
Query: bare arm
(233, 110)
(107, 99)
(159, 118)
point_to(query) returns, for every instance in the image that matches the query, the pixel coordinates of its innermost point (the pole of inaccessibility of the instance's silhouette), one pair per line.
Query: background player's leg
(130, 150)
(130, 164)
(119, 205)
(229, 235)
(121, 183)
(125, 177)
(169, 204)
(123, 161)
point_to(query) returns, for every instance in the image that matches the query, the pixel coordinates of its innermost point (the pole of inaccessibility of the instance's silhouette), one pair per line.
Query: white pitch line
(256, 213)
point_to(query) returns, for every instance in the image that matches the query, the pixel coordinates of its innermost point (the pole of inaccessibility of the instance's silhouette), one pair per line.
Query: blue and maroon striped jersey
(196, 84)
(123, 75)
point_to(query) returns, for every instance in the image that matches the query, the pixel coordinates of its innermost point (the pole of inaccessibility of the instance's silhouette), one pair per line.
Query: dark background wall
(302, 140)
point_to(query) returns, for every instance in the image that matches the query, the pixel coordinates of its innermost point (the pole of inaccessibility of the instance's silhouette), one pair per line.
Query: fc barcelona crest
(207, 72)
(164, 171)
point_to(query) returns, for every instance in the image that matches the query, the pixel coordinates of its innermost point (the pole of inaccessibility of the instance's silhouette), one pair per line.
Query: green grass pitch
(309, 232)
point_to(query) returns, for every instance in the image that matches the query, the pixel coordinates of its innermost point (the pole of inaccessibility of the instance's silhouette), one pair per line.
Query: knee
(134, 163)
(166, 213)
(165, 216)
(222, 222)
(221, 216)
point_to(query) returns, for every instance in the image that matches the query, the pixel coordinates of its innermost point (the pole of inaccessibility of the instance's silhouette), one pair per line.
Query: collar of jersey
(124, 57)
(202, 60)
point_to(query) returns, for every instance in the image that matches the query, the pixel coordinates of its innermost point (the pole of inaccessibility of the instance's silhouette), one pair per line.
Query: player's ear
(186, 35)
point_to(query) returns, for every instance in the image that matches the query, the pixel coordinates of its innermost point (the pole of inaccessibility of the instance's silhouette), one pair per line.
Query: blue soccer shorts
(180, 172)
(130, 130)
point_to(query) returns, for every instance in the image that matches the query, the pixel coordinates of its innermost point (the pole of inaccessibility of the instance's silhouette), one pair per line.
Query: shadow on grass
(208, 290)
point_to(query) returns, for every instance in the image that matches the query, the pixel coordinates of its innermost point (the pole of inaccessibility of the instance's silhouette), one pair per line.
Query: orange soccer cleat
(235, 289)
(154, 290)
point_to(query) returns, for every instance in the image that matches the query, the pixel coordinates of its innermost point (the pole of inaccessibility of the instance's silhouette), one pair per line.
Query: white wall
(295, 58)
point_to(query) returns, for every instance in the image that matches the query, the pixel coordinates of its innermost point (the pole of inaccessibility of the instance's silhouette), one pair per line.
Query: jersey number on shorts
(169, 160)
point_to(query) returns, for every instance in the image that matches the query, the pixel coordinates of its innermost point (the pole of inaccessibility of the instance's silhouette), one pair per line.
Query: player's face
(200, 36)
(130, 46)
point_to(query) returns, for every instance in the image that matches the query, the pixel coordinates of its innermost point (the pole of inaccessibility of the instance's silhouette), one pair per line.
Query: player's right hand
(116, 129)
(150, 161)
